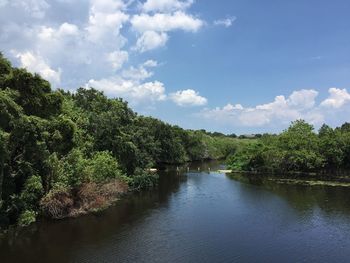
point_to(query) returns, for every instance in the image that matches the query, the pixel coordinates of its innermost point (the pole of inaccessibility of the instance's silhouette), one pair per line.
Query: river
(199, 217)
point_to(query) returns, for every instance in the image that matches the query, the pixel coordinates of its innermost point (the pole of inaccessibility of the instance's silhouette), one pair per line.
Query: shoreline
(305, 179)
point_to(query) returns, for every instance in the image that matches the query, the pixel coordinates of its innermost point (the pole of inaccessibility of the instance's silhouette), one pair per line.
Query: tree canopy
(52, 139)
(297, 149)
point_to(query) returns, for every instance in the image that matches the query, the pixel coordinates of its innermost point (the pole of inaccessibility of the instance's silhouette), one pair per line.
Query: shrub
(103, 167)
(27, 217)
(57, 203)
(143, 180)
(33, 191)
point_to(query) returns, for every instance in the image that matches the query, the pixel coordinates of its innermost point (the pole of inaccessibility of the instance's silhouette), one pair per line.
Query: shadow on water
(51, 241)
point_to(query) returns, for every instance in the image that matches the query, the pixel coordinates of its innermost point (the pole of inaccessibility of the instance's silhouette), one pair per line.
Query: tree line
(297, 149)
(54, 143)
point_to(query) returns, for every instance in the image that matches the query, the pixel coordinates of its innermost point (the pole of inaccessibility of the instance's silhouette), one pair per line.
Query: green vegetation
(64, 154)
(298, 150)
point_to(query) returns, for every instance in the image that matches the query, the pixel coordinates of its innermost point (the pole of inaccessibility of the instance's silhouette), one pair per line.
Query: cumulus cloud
(166, 22)
(158, 19)
(337, 98)
(36, 64)
(151, 40)
(35, 8)
(300, 104)
(150, 63)
(226, 22)
(166, 5)
(49, 34)
(117, 58)
(131, 84)
(94, 45)
(134, 91)
(303, 99)
(154, 90)
(187, 98)
(106, 17)
(139, 73)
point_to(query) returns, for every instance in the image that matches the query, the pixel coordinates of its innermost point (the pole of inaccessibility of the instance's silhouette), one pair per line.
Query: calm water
(199, 217)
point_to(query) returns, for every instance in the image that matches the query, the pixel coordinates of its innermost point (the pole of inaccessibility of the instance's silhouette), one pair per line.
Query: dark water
(199, 217)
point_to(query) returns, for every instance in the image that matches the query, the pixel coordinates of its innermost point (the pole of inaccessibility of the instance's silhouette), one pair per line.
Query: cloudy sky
(242, 66)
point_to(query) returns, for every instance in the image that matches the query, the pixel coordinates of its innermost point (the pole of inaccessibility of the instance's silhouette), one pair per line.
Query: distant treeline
(297, 149)
(61, 152)
(233, 135)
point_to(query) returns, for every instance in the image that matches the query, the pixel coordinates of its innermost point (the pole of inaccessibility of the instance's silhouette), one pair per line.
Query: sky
(233, 66)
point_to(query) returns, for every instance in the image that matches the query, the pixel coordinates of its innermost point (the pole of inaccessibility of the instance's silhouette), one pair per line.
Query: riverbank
(87, 198)
(305, 179)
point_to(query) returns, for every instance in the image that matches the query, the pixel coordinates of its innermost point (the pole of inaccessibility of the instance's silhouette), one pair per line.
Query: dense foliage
(297, 149)
(52, 142)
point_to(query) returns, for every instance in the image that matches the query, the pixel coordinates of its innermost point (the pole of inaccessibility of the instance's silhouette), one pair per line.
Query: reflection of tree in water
(51, 241)
(330, 200)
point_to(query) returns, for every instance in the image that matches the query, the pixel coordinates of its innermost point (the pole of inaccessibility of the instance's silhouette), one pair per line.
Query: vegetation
(297, 149)
(64, 154)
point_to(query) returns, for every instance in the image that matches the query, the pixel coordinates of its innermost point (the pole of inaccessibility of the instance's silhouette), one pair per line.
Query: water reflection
(49, 241)
(328, 199)
(199, 217)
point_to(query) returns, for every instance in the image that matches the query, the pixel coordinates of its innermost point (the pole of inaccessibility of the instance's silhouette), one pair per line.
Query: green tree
(331, 147)
(34, 93)
(300, 146)
(3, 159)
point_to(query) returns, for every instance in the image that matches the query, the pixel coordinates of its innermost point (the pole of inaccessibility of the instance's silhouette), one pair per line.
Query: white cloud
(65, 30)
(166, 5)
(150, 63)
(130, 85)
(230, 107)
(93, 45)
(153, 91)
(118, 58)
(166, 22)
(151, 40)
(135, 92)
(188, 97)
(300, 104)
(106, 19)
(36, 64)
(106, 6)
(154, 28)
(337, 98)
(303, 99)
(226, 22)
(35, 8)
(139, 73)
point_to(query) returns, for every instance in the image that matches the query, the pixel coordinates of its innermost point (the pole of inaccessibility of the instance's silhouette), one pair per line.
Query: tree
(331, 147)
(5, 69)
(300, 144)
(34, 93)
(3, 158)
(10, 111)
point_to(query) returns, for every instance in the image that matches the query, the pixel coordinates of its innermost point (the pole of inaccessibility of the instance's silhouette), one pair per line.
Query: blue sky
(231, 66)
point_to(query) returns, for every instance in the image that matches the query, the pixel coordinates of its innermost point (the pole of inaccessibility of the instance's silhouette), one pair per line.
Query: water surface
(199, 217)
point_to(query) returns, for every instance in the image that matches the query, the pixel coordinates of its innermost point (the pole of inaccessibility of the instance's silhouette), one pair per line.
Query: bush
(143, 180)
(33, 191)
(27, 217)
(104, 167)
(57, 203)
